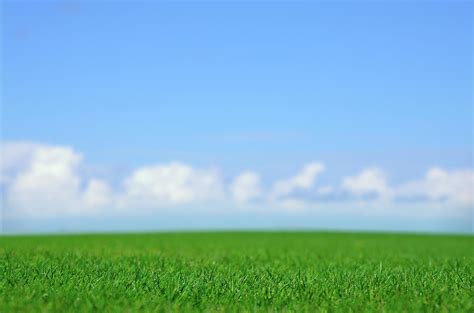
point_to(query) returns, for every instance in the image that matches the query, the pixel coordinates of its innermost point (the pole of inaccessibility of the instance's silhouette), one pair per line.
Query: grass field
(237, 271)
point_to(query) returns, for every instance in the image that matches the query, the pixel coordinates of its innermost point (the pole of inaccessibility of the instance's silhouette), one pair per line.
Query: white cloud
(293, 204)
(304, 180)
(49, 183)
(98, 194)
(246, 187)
(452, 187)
(369, 181)
(13, 157)
(44, 180)
(170, 184)
(326, 190)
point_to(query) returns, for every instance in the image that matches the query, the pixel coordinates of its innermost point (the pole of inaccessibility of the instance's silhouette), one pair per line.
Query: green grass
(237, 271)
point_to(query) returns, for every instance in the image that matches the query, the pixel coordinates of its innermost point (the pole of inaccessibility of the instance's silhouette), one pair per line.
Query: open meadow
(237, 271)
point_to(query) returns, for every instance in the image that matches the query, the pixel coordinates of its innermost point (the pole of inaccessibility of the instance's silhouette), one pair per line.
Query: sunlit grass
(246, 271)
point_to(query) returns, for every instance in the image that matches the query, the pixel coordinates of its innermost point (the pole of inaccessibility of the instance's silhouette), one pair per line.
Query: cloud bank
(39, 180)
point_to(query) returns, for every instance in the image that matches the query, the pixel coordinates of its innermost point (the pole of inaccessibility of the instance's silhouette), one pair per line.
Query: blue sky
(265, 87)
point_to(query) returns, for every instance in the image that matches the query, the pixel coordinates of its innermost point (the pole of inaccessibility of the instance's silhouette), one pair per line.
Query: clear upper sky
(265, 86)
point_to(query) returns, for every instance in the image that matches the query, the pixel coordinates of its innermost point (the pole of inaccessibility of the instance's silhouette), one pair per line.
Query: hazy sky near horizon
(346, 114)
